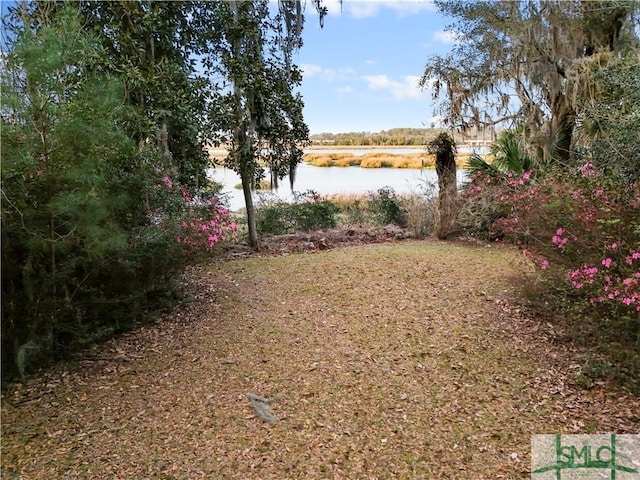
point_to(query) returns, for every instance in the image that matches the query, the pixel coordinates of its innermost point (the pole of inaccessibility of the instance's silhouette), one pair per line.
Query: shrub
(308, 212)
(421, 210)
(582, 228)
(387, 207)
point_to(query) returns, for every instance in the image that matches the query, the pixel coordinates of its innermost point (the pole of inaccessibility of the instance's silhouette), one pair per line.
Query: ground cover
(396, 360)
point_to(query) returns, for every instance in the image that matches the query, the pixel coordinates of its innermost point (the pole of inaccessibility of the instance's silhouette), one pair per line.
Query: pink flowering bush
(580, 225)
(204, 226)
(582, 230)
(196, 224)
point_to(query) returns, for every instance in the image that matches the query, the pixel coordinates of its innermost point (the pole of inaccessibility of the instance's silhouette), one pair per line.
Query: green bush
(308, 212)
(387, 208)
(579, 222)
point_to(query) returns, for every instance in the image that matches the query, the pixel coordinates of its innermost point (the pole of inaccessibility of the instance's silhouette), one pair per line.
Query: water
(336, 180)
(360, 151)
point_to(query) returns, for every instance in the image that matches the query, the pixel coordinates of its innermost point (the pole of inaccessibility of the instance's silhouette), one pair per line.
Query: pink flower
(544, 264)
(607, 262)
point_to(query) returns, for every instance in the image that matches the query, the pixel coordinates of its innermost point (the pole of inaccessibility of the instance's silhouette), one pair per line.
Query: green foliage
(355, 212)
(89, 221)
(508, 154)
(145, 45)
(308, 212)
(258, 115)
(580, 224)
(582, 228)
(392, 137)
(608, 124)
(516, 62)
(387, 207)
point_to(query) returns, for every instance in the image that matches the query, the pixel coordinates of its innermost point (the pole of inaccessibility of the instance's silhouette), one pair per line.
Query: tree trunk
(244, 137)
(251, 210)
(562, 125)
(447, 187)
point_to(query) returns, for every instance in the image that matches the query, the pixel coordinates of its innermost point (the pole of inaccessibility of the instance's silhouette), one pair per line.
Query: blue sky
(361, 69)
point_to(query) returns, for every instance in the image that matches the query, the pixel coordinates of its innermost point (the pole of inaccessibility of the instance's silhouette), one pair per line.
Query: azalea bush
(196, 221)
(580, 225)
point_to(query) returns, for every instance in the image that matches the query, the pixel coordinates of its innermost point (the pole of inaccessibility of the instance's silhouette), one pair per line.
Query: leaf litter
(397, 360)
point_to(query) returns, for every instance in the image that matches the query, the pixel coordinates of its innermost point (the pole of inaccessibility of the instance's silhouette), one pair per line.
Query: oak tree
(515, 61)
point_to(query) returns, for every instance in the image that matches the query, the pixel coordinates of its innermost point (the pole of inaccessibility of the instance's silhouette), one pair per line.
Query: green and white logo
(569, 457)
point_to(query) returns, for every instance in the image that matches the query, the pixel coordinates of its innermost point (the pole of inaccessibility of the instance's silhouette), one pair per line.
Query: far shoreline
(376, 156)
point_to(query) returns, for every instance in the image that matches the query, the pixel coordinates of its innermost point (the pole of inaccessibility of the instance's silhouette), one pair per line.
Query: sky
(361, 71)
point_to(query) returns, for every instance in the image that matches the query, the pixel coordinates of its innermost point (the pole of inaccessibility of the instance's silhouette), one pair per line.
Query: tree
(146, 45)
(92, 227)
(609, 119)
(249, 47)
(443, 147)
(526, 49)
(61, 148)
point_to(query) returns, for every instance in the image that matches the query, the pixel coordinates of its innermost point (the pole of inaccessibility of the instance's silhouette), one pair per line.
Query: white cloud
(406, 89)
(363, 9)
(371, 8)
(370, 62)
(446, 37)
(310, 70)
(345, 89)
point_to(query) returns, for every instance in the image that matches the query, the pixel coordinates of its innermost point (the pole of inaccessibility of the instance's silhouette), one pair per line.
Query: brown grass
(411, 361)
(378, 160)
(419, 159)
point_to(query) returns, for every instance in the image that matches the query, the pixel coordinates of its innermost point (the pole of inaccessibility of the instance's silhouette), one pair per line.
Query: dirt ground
(412, 359)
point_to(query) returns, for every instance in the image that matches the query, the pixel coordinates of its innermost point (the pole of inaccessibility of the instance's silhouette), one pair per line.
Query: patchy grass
(409, 360)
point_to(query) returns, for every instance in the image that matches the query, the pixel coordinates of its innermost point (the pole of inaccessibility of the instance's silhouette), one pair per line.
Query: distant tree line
(393, 137)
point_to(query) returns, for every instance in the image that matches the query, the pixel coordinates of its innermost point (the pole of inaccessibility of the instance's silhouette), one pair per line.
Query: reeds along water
(370, 160)
(378, 160)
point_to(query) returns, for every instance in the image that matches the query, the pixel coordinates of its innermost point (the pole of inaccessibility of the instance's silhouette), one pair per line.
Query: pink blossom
(607, 262)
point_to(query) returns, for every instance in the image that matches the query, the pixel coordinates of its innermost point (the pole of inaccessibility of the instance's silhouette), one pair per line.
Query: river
(335, 180)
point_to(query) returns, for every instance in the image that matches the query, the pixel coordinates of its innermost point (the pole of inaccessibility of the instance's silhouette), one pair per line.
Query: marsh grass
(416, 160)
(263, 185)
